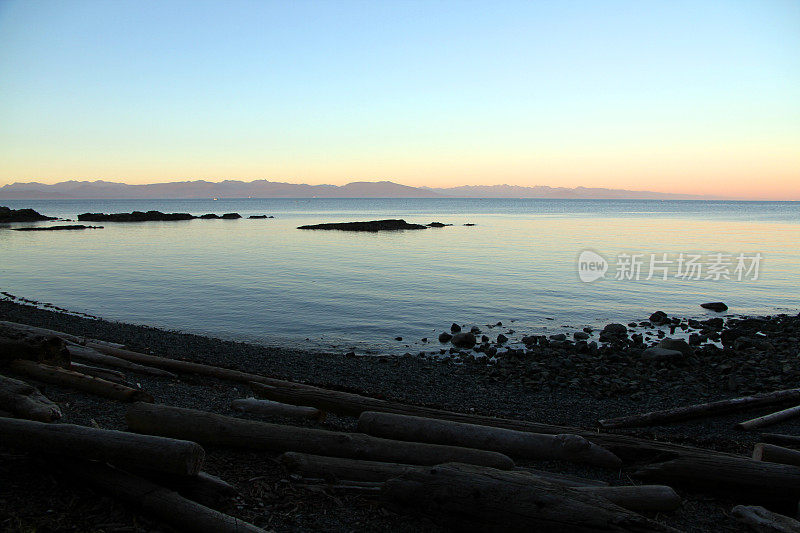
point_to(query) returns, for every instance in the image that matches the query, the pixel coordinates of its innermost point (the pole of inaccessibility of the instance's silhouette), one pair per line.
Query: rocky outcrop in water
(21, 215)
(150, 216)
(58, 228)
(372, 225)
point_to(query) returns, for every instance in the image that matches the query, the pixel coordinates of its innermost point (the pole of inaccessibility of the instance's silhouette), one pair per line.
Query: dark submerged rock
(715, 306)
(372, 225)
(463, 340)
(455, 328)
(21, 215)
(659, 317)
(445, 337)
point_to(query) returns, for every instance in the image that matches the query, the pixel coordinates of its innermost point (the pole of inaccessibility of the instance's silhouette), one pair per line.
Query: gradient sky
(692, 97)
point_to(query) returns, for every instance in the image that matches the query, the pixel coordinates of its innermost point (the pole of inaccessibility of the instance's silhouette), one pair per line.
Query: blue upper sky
(673, 96)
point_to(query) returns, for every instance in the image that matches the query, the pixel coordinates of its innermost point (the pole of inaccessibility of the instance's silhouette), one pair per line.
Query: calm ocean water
(266, 281)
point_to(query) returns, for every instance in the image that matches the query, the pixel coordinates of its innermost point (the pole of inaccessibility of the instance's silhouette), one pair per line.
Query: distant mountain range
(271, 189)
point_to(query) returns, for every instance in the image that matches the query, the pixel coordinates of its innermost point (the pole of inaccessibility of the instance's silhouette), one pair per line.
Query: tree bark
(16, 344)
(158, 502)
(222, 430)
(701, 410)
(776, 454)
(91, 355)
(748, 480)
(76, 380)
(25, 401)
(764, 521)
(479, 500)
(270, 408)
(349, 404)
(522, 444)
(118, 447)
(772, 418)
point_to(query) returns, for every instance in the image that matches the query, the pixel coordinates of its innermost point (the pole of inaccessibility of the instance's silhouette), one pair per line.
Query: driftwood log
(211, 428)
(118, 447)
(91, 355)
(25, 401)
(349, 404)
(269, 408)
(776, 454)
(702, 410)
(4, 324)
(779, 438)
(471, 499)
(763, 521)
(76, 380)
(522, 444)
(748, 480)
(772, 418)
(337, 468)
(158, 502)
(17, 344)
(203, 488)
(105, 373)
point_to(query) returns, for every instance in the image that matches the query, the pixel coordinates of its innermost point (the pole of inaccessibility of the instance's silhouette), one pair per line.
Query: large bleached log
(118, 447)
(513, 443)
(156, 501)
(748, 480)
(15, 344)
(91, 355)
(269, 408)
(211, 428)
(76, 380)
(702, 410)
(25, 401)
(345, 403)
(763, 521)
(772, 418)
(338, 468)
(776, 454)
(479, 500)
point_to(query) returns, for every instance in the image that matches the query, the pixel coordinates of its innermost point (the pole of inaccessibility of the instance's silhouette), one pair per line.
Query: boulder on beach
(445, 337)
(659, 317)
(372, 225)
(715, 306)
(679, 345)
(613, 332)
(463, 340)
(657, 353)
(21, 215)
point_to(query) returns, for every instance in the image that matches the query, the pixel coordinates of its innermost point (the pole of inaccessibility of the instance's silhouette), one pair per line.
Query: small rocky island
(21, 215)
(57, 228)
(374, 225)
(151, 216)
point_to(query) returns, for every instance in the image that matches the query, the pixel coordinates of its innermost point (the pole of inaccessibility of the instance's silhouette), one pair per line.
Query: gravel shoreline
(551, 381)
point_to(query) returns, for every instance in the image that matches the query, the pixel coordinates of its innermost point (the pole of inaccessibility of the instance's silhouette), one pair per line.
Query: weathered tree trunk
(222, 430)
(76, 380)
(203, 488)
(778, 438)
(118, 447)
(93, 356)
(345, 403)
(764, 521)
(654, 498)
(104, 373)
(270, 408)
(480, 500)
(702, 410)
(16, 344)
(513, 443)
(25, 401)
(776, 454)
(772, 418)
(748, 480)
(157, 502)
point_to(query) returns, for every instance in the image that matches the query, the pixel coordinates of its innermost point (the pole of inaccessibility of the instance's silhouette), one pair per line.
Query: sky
(691, 97)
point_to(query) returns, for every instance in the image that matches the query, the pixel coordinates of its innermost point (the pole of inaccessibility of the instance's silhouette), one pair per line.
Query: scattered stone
(613, 332)
(659, 317)
(560, 337)
(502, 339)
(445, 337)
(372, 225)
(455, 328)
(715, 306)
(475, 330)
(580, 335)
(463, 340)
(679, 345)
(398, 338)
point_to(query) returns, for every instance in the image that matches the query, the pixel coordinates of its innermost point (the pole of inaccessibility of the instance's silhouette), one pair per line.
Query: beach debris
(477, 499)
(516, 444)
(76, 380)
(149, 452)
(23, 400)
(762, 520)
(270, 408)
(211, 428)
